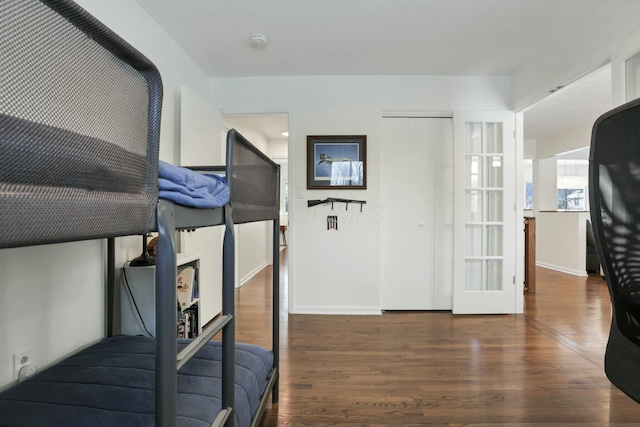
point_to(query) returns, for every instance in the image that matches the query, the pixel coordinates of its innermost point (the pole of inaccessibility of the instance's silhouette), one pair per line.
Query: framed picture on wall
(337, 162)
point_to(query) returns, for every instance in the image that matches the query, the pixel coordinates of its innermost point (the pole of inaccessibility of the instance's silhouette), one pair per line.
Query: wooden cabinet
(530, 254)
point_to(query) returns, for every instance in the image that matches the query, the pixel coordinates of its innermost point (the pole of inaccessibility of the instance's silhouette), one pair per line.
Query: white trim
(523, 105)
(417, 114)
(562, 269)
(252, 273)
(306, 309)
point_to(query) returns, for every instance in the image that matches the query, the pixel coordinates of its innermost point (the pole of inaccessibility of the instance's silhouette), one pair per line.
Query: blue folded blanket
(189, 188)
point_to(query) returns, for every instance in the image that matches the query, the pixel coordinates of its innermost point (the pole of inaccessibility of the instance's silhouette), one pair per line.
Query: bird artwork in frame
(337, 162)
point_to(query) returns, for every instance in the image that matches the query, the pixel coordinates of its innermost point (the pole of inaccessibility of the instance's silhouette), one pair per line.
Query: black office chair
(614, 181)
(591, 258)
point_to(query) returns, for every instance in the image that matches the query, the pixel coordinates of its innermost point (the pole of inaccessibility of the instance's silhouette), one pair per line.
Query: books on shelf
(181, 323)
(187, 322)
(196, 288)
(191, 321)
(185, 286)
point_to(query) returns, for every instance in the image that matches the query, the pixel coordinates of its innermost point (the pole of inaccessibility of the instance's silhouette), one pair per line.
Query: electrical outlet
(21, 359)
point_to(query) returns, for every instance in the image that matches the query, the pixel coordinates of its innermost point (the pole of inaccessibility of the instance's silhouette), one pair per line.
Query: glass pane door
(485, 241)
(484, 183)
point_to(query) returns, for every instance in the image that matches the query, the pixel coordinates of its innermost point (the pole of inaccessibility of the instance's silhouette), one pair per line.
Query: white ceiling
(581, 101)
(392, 37)
(533, 40)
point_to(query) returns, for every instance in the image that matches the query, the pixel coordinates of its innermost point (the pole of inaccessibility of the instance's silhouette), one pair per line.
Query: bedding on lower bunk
(189, 188)
(112, 384)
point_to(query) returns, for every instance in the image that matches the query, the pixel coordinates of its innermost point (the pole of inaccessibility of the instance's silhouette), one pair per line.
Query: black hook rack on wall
(311, 203)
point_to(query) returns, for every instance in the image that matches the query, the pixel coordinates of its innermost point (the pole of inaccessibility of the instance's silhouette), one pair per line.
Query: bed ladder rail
(202, 339)
(228, 308)
(168, 361)
(223, 416)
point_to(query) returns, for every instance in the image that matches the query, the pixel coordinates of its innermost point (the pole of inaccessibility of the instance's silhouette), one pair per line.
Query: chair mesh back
(615, 210)
(79, 127)
(253, 177)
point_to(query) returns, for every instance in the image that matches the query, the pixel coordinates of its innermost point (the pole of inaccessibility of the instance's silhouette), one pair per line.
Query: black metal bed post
(166, 309)
(228, 308)
(275, 298)
(111, 284)
(275, 332)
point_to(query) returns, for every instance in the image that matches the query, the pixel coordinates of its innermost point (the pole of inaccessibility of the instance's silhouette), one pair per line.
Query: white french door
(484, 218)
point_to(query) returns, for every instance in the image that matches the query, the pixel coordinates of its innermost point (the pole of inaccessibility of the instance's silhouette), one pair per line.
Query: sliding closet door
(416, 213)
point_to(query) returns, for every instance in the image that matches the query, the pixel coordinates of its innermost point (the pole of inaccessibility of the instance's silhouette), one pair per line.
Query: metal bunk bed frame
(171, 218)
(104, 204)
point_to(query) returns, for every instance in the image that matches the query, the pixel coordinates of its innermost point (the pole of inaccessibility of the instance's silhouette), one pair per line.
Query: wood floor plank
(541, 368)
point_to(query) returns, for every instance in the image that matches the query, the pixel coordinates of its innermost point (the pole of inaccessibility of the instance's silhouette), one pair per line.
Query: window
(527, 172)
(286, 195)
(572, 185)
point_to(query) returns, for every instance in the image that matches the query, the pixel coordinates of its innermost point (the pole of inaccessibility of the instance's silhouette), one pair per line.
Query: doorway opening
(557, 131)
(270, 134)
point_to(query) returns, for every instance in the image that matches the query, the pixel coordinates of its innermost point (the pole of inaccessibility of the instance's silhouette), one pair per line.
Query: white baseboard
(562, 269)
(365, 311)
(252, 273)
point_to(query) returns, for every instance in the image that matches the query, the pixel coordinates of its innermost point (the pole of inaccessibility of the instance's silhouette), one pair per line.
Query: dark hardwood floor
(541, 368)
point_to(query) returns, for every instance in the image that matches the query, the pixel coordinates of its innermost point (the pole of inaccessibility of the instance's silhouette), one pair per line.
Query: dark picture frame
(337, 162)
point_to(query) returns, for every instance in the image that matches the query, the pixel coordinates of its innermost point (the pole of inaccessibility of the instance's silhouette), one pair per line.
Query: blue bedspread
(189, 188)
(112, 384)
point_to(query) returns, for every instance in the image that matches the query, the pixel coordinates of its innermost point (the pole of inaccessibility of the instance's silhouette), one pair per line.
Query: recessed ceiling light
(259, 40)
(285, 133)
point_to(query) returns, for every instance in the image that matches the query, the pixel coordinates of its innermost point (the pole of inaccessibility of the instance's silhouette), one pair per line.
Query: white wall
(530, 150)
(563, 244)
(278, 148)
(545, 184)
(52, 298)
(329, 271)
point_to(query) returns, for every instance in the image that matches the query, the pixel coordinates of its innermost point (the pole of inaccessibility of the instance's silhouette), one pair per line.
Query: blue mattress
(112, 384)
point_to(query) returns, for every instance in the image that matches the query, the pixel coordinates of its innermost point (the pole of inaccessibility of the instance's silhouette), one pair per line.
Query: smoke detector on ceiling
(259, 40)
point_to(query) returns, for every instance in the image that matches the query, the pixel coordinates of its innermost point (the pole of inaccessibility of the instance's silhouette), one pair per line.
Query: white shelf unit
(138, 301)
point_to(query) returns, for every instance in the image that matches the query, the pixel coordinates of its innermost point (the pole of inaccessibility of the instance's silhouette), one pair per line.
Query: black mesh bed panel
(79, 127)
(614, 181)
(253, 179)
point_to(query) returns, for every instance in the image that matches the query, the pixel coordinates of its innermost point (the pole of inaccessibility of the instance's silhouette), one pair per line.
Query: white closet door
(416, 196)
